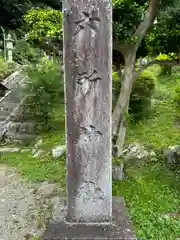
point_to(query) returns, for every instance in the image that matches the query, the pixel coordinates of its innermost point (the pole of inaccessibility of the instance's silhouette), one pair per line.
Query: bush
(141, 94)
(177, 98)
(45, 90)
(3, 69)
(24, 52)
(6, 68)
(166, 69)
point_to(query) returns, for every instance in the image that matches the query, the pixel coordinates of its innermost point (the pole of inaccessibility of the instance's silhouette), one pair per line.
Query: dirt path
(24, 207)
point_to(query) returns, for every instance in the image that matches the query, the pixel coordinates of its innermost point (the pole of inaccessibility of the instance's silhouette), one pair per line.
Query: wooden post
(88, 63)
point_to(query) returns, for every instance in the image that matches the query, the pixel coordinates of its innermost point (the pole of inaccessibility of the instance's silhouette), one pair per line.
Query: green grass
(43, 168)
(36, 169)
(56, 137)
(160, 129)
(151, 192)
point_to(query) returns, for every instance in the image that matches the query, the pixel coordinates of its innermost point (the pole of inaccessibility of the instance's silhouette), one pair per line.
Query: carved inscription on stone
(90, 133)
(86, 81)
(90, 191)
(89, 20)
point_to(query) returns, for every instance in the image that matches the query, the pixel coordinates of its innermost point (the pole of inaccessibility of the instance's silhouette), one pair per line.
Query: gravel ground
(24, 207)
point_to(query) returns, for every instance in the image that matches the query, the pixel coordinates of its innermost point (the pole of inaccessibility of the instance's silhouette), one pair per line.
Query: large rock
(172, 156)
(134, 153)
(135, 150)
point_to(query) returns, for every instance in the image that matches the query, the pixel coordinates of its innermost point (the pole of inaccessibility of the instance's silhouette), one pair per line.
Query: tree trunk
(129, 74)
(122, 105)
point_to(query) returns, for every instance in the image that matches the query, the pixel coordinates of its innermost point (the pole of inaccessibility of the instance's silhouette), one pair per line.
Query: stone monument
(87, 58)
(88, 213)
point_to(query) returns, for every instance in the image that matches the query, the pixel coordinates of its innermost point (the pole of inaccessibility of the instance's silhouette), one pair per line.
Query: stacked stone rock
(12, 126)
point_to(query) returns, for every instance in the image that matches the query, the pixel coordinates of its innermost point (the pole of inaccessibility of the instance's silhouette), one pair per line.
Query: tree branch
(147, 21)
(141, 30)
(164, 62)
(120, 47)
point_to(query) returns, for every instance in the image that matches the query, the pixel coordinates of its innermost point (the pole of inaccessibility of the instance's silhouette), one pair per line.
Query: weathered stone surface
(58, 151)
(34, 150)
(88, 79)
(21, 127)
(25, 150)
(59, 228)
(19, 136)
(135, 151)
(5, 150)
(9, 109)
(39, 143)
(172, 156)
(38, 153)
(14, 78)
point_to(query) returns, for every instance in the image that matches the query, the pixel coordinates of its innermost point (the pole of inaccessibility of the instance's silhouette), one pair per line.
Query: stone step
(18, 136)
(13, 80)
(18, 142)
(10, 99)
(19, 127)
(19, 117)
(8, 104)
(5, 150)
(2, 118)
(6, 112)
(8, 108)
(2, 126)
(14, 99)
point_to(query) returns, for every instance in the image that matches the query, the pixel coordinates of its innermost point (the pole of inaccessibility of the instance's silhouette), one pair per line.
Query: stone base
(59, 229)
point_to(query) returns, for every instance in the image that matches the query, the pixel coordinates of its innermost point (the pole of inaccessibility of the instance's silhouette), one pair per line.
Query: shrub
(177, 98)
(24, 52)
(141, 94)
(45, 90)
(6, 68)
(3, 68)
(166, 69)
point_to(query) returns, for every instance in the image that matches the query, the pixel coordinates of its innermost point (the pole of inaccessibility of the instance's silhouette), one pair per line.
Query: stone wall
(14, 126)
